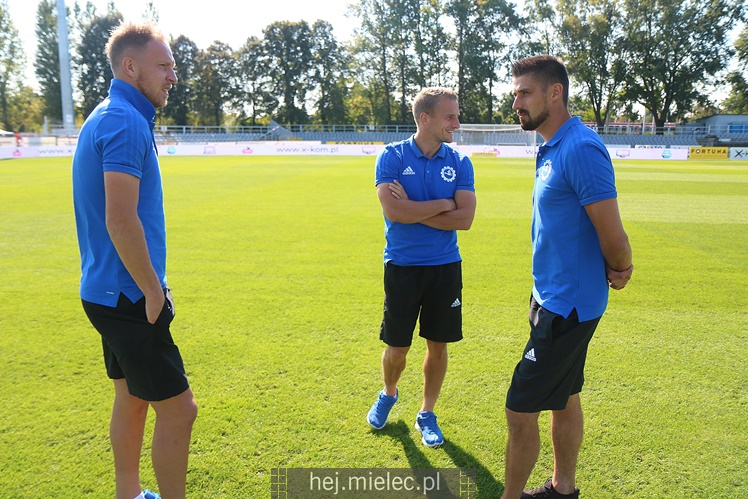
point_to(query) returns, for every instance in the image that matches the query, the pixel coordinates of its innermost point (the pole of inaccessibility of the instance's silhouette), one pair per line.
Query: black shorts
(434, 292)
(142, 353)
(552, 365)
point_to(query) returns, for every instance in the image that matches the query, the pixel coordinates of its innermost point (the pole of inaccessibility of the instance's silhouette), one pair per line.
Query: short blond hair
(129, 35)
(428, 98)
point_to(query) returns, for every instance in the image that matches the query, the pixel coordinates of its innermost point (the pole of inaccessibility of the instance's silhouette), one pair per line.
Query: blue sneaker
(150, 495)
(431, 435)
(379, 412)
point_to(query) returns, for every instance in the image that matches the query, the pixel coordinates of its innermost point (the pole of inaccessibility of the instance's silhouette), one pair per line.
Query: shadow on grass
(400, 431)
(488, 486)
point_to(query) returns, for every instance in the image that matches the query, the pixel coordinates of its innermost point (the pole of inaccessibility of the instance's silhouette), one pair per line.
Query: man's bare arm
(614, 241)
(126, 231)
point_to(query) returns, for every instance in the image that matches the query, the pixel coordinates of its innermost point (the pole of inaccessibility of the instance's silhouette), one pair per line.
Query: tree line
(662, 55)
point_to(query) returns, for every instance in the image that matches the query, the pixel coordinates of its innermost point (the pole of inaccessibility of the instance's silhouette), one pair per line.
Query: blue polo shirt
(118, 137)
(573, 169)
(424, 179)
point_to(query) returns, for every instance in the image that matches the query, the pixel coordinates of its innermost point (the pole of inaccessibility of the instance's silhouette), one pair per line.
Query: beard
(157, 98)
(530, 123)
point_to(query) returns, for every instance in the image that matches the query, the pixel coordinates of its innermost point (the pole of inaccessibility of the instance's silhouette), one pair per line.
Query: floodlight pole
(66, 85)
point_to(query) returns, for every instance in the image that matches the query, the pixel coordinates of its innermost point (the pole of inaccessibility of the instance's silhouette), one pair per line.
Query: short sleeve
(589, 172)
(466, 176)
(123, 142)
(387, 166)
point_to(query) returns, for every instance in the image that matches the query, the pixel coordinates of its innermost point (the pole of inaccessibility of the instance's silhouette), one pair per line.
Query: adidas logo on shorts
(456, 303)
(530, 355)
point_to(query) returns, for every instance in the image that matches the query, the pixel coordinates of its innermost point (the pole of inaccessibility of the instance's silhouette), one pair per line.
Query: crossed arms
(443, 214)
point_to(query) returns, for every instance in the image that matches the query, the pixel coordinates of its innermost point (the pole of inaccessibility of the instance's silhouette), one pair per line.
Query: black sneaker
(548, 492)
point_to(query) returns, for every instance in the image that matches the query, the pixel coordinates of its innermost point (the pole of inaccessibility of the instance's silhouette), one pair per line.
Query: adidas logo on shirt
(456, 303)
(409, 171)
(530, 355)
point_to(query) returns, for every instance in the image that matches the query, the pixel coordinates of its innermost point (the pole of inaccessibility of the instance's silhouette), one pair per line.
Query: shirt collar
(562, 131)
(442, 152)
(125, 91)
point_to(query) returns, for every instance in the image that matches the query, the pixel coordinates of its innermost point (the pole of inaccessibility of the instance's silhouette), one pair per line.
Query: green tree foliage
(671, 48)
(579, 105)
(462, 13)
(182, 95)
(372, 52)
(590, 35)
(504, 112)
(403, 16)
(253, 97)
(483, 32)
(151, 13)
(540, 29)
(329, 70)
(497, 25)
(359, 106)
(621, 54)
(47, 64)
(12, 61)
(737, 101)
(741, 48)
(400, 47)
(25, 110)
(432, 46)
(289, 61)
(215, 68)
(94, 72)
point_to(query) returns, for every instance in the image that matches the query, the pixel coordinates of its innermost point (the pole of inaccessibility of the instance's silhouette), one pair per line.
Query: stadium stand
(615, 135)
(198, 138)
(354, 137)
(649, 140)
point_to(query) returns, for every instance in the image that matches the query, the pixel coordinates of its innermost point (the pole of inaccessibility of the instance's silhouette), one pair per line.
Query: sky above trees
(623, 56)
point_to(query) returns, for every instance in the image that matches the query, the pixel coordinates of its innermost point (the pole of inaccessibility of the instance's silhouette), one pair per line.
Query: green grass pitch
(276, 269)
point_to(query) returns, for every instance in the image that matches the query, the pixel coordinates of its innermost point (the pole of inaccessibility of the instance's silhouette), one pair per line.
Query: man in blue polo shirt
(119, 212)
(427, 193)
(579, 250)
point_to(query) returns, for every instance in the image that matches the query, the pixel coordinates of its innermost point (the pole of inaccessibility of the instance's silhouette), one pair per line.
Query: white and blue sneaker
(431, 435)
(150, 495)
(380, 411)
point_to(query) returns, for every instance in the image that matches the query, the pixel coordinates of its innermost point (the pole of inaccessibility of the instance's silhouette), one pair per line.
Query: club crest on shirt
(545, 171)
(448, 174)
